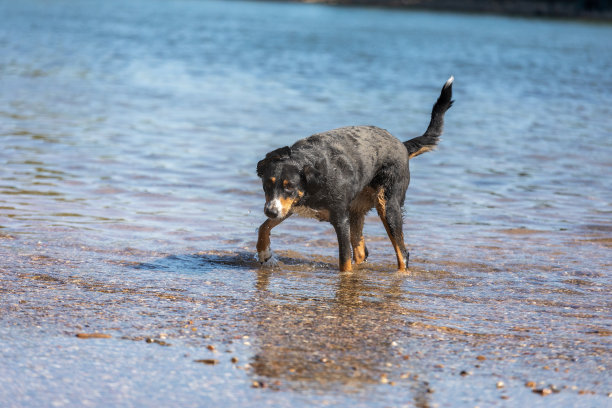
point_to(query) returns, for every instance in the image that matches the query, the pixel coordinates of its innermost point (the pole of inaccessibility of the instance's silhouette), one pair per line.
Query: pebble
(209, 361)
(464, 373)
(542, 391)
(500, 384)
(530, 384)
(93, 336)
(258, 384)
(211, 347)
(481, 358)
(234, 360)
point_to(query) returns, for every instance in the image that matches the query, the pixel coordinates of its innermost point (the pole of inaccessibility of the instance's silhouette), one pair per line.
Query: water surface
(129, 205)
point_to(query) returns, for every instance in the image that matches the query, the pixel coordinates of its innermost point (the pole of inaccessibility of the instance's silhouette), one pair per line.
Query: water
(129, 205)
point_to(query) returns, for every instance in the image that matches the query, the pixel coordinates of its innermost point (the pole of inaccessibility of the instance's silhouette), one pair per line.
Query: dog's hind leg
(390, 213)
(360, 251)
(264, 253)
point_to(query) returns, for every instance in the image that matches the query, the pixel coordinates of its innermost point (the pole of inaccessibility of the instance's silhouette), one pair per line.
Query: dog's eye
(288, 186)
(269, 183)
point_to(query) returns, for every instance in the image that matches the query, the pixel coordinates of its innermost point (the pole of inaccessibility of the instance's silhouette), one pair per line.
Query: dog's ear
(275, 155)
(279, 154)
(313, 179)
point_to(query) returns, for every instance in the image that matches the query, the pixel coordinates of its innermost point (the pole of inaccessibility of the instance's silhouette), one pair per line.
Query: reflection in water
(349, 339)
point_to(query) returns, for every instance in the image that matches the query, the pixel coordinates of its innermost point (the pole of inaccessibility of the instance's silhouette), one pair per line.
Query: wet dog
(340, 175)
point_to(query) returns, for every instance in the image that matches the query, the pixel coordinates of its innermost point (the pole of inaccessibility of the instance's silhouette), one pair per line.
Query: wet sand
(213, 327)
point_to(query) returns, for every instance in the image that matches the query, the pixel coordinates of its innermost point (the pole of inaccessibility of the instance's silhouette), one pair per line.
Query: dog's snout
(271, 212)
(271, 209)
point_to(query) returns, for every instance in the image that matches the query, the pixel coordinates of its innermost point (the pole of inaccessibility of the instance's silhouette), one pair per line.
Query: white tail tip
(450, 80)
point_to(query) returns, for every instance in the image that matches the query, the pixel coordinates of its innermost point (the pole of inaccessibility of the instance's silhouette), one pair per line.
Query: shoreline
(594, 10)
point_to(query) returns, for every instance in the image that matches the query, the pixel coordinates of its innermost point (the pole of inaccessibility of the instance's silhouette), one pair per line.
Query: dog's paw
(267, 258)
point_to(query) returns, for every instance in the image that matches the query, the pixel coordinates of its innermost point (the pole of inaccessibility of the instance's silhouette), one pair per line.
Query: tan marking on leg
(357, 241)
(346, 266)
(263, 239)
(401, 264)
(359, 252)
(381, 207)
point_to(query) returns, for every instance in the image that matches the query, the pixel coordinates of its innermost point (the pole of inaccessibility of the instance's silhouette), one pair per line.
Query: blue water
(129, 135)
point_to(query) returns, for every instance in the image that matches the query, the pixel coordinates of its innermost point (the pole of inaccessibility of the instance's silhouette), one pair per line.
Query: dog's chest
(302, 211)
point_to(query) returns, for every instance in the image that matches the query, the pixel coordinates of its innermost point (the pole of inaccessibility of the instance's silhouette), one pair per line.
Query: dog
(340, 175)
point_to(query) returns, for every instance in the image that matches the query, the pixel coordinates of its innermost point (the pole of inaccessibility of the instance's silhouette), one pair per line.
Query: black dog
(340, 175)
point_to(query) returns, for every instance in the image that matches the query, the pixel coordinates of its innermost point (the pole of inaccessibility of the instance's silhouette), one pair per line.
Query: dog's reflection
(348, 339)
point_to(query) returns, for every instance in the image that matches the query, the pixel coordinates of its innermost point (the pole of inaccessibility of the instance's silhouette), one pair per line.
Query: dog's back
(351, 157)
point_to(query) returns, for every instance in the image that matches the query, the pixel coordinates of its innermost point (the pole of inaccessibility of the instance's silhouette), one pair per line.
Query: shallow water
(129, 206)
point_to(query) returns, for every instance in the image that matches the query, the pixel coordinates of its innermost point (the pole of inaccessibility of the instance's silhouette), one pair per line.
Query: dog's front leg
(264, 253)
(342, 227)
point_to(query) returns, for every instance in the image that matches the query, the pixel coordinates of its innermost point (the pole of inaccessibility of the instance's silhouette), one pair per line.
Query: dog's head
(285, 181)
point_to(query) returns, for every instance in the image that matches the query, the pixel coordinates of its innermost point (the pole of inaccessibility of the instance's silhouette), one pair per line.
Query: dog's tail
(430, 138)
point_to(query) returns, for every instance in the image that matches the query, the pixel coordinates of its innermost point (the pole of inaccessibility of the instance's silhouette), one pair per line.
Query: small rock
(258, 384)
(211, 347)
(439, 366)
(384, 379)
(542, 391)
(530, 384)
(500, 384)
(209, 361)
(464, 373)
(504, 397)
(234, 360)
(93, 336)
(481, 358)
